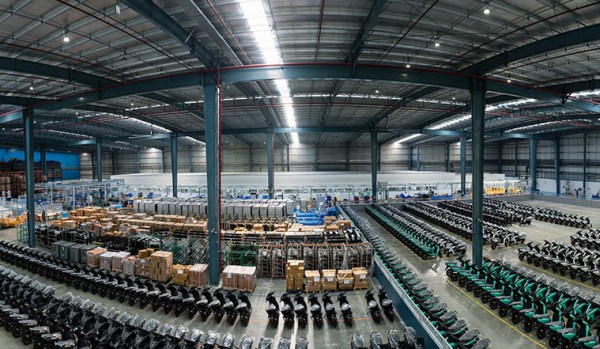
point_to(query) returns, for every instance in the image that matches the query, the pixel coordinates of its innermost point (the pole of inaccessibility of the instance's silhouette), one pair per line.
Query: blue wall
(69, 161)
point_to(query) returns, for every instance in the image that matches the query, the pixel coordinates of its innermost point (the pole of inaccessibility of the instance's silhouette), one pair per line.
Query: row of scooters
(454, 329)
(30, 311)
(412, 228)
(376, 340)
(547, 308)
(515, 207)
(588, 238)
(577, 262)
(489, 215)
(140, 291)
(561, 218)
(463, 226)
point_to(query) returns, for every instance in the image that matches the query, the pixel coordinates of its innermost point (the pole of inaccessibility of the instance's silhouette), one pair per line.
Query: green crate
(22, 233)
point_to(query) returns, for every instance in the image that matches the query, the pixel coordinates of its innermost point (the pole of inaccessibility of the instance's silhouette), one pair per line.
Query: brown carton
(142, 267)
(129, 265)
(198, 275)
(229, 277)
(180, 274)
(93, 257)
(329, 281)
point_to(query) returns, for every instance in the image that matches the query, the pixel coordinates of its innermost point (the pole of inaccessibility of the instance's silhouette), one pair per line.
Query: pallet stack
(181, 274)
(198, 275)
(329, 280)
(360, 278)
(161, 266)
(345, 279)
(313, 281)
(294, 275)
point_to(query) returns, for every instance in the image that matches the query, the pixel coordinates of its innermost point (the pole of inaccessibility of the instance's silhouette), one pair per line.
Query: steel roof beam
(160, 18)
(572, 38)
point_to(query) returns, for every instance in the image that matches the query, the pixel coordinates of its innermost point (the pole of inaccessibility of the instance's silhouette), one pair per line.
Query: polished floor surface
(502, 333)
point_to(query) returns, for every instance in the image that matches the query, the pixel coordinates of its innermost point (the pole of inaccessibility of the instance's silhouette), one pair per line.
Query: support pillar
(410, 158)
(98, 160)
(347, 156)
(113, 159)
(29, 175)
(212, 124)
(500, 149)
(139, 161)
(557, 164)
(374, 166)
(517, 158)
(463, 165)
(447, 157)
(174, 163)
(43, 159)
(270, 165)
(418, 158)
(478, 110)
(584, 165)
(533, 164)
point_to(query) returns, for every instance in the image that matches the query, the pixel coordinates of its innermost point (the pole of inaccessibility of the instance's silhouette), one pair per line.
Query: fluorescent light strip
(408, 138)
(255, 14)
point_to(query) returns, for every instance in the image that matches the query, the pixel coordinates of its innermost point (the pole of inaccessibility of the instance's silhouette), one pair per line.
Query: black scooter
(272, 310)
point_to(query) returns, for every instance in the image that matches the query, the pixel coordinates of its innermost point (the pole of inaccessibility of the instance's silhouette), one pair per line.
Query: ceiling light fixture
(487, 11)
(437, 44)
(509, 80)
(408, 66)
(408, 138)
(66, 37)
(376, 91)
(266, 39)
(31, 87)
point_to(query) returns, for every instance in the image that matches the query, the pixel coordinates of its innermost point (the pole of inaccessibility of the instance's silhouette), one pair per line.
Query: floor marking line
(546, 271)
(514, 328)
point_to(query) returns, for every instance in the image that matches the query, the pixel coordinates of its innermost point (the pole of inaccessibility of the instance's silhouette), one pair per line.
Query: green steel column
(478, 110)
(43, 159)
(533, 164)
(29, 175)
(174, 163)
(463, 165)
(138, 156)
(374, 165)
(557, 164)
(212, 125)
(517, 158)
(410, 158)
(99, 160)
(113, 159)
(270, 165)
(418, 158)
(584, 165)
(447, 157)
(500, 157)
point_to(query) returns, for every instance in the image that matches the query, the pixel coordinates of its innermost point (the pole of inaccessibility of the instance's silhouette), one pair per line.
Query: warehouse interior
(299, 174)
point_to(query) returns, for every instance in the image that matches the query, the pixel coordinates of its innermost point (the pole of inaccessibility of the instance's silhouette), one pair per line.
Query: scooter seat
(528, 310)
(51, 336)
(214, 304)
(386, 303)
(555, 323)
(346, 307)
(587, 339)
(329, 307)
(566, 330)
(299, 308)
(512, 304)
(314, 308)
(40, 329)
(541, 316)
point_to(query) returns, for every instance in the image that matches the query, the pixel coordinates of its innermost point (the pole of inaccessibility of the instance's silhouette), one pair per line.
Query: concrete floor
(502, 333)
(258, 327)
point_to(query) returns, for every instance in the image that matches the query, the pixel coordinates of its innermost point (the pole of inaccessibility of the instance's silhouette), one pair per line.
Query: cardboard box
(117, 260)
(161, 266)
(229, 277)
(129, 265)
(93, 257)
(345, 279)
(294, 275)
(246, 279)
(142, 267)
(106, 260)
(360, 278)
(198, 275)
(313, 281)
(329, 281)
(180, 274)
(145, 253)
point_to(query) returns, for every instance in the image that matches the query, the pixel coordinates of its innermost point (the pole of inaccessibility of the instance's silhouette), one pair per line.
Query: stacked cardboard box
(313, 281)
(345, 279)
(145, 253)
(329, 280)
(360, 278)
(129, 265)
(106, 260)
(142, 267)
(294, 275)
(181, 274)
(198, 275)
(117, 260)
(246, 278)
(161, 266)
(93, 257)
(229, 277)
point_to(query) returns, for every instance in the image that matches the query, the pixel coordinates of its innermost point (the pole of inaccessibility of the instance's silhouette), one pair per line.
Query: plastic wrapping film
(265, 343)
